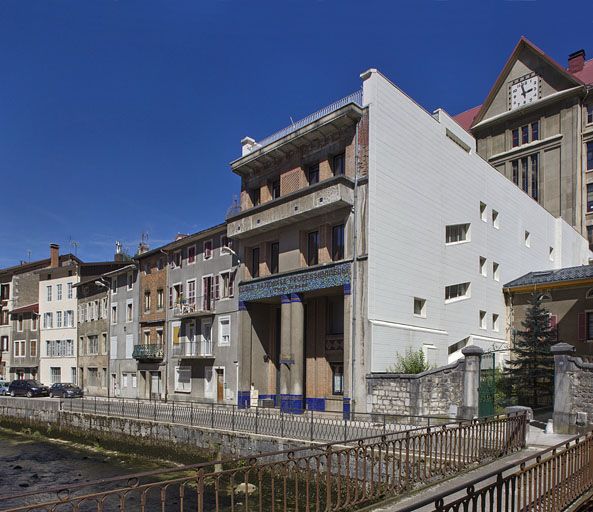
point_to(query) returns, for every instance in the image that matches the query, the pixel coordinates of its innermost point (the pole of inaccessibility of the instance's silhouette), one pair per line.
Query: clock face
(524, 92)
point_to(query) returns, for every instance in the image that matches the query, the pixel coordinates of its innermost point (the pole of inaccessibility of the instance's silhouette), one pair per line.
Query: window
(93, 345)
(147, 300)
(527, 238)
(535, 130)
(551, 253)
(515, 166)
(113, 314)
(515, 137)
(20, 323)
(590, 236)
(227, 284)
(456, 291)
(176, 259)
(160, 264)
(130, 281)
(419, 307)
(337, 378)
(129, 311)
(339, 164)
(33, 348)
(191, 255)
(207, 249)
(4, 343)
(495, 271)
(191, 292)
(274, 257)
(483, 320)
(19, 348)
(69, 318)
(254, 262)
(58, 292)
(55, 374)
(589, 114)
(525, 174)
(255, 195)
(114, 285)
(58, 319)
(590, 156)
(495, 322)
(147, 337)
(457, 233)
(48, 290)
(495, 221)
(159, 336)
(160, 299)
(69, 290)
(313, 174)
(535, 176)
(113, 347)
(93, 377)
(338, 242)
(589, 197)
(483, 269)
(48, 320)
(524, 134)
(225, 244)
(183, 379)
(59, 348)
(483, 213)
(134, 380)
(313, 248)
(4, 291)
(124, 380)
(275, 188)
(224, 330)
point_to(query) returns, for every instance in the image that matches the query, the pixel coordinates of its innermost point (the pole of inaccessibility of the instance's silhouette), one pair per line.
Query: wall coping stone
(394, 376)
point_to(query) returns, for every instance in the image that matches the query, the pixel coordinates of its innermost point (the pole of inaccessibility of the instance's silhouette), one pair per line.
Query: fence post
(563, 393)
(328, 482)
(471, 381)
(154, 411)
(212, 415)
(311, 425)
(95, 405)
(173, 411)
(191, 414)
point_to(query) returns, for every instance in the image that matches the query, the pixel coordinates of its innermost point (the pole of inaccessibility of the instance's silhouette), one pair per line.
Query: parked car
(3, 387)
(28, 388)
(65, 390)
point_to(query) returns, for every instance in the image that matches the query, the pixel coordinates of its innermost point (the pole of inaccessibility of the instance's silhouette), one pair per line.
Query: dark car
(28, 388)
(65, 390)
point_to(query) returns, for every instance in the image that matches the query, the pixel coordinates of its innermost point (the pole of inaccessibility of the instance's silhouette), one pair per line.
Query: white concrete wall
(419, 182)
(65, 363)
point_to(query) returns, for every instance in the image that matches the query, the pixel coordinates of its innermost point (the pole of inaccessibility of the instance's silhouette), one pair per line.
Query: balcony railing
(197, 306)
(193, 349)
(355, 97)
(148, 352)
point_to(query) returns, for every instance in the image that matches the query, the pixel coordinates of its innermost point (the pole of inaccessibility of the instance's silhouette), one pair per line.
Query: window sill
(458, 243)
(183, 391)
(457, 299)
(419, 316)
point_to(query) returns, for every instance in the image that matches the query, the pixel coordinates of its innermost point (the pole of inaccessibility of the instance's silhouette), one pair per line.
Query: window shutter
(231, 284)
(216, 287)
(582, 326)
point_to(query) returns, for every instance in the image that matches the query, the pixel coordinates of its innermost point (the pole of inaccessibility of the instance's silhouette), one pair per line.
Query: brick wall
(436, 392)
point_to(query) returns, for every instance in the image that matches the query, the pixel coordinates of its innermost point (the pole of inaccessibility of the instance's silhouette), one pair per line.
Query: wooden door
(219, 384)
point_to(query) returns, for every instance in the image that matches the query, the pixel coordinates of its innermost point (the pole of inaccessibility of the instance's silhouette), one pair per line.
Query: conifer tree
(530, 372)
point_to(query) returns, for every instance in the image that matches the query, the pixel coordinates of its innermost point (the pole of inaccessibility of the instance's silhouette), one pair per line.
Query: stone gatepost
(471, 382)
(562, 388)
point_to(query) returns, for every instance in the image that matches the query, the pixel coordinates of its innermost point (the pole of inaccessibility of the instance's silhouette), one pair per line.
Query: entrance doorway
(219, 384)
(155, 385)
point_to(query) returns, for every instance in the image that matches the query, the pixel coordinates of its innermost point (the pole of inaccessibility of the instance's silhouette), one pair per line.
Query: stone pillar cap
(472, 350)
(562, 348)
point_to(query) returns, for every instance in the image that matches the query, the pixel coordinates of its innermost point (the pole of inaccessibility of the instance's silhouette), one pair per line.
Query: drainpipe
(166, 330)
(354, 274)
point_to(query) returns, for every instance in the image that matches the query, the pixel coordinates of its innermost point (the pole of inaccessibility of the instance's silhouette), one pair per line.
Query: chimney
(142, 248)
(119, 253)
(54, 255)
(247, 145)
(576, 61)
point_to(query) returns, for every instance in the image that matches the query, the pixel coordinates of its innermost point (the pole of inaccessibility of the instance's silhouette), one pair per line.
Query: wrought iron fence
(551, 480)
(332, 477)
(310, 426)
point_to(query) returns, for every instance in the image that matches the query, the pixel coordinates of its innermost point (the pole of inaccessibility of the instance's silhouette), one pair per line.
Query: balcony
(319, 199)
(148, 352)
(193, 350)
(200, 306)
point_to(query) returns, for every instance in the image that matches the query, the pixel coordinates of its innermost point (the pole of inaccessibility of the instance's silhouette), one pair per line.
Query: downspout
(166, 330)
(354, 272)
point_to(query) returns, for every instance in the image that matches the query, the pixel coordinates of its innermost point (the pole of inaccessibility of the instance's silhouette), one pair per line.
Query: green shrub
(412, 362)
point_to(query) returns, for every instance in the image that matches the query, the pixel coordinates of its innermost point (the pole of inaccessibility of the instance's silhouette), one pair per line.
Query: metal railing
(149, 352)
(199, 304)
(309, 426)
(355, 97)
(551, 480)
(332, 477)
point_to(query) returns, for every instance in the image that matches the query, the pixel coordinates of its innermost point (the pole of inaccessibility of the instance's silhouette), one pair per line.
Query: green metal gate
(487, 384)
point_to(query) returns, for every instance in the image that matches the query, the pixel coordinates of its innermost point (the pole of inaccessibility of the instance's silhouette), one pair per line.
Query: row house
(369, 228)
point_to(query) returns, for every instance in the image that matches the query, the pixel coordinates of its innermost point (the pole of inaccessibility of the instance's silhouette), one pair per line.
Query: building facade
(403, 246)
(202, 317)
(536, 128)
(5, 334)
(149, 351)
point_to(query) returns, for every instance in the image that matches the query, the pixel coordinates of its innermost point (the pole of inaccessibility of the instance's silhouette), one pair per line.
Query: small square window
(495, 271)
(495, 322)
(527, 239)
(483, 213)
(483, 269)
(419, 307)
(483, 320)
(495, 221)
(551, 253)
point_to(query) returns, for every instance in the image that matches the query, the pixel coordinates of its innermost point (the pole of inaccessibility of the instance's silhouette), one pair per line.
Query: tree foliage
(412, 362)
(530, 372)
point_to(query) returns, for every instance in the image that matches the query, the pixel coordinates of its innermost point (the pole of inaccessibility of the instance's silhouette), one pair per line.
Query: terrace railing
(332, 477)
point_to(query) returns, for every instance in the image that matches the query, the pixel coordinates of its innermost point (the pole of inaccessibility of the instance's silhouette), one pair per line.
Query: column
(285, 352)
(347, 351)
(471, 381)
(244, 384)
(563, 403)
(297, 373)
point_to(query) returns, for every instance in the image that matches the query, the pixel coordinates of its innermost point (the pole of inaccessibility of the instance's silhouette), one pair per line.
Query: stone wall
(437, 392)
(573, 391)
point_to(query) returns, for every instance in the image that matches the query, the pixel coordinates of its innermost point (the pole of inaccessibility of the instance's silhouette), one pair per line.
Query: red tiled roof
(31, 308)
(465, 119)
(585, 75)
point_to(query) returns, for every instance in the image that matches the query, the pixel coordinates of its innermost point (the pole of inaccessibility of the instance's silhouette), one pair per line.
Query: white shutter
(129, 345)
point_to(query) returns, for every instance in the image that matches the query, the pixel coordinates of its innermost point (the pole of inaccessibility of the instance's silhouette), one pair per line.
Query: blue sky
(119, 117)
